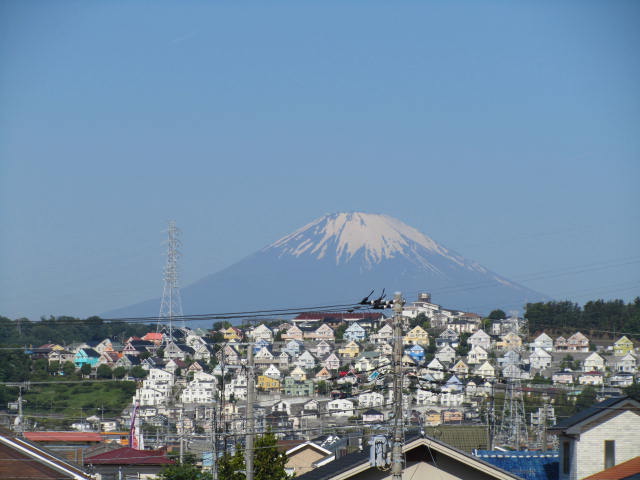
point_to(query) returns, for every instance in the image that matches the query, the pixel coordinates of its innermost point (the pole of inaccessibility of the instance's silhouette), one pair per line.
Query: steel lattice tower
(171, 304)
(512, 431)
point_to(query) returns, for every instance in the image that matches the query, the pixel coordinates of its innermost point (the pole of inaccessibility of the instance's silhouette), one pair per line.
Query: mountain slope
(339, 258)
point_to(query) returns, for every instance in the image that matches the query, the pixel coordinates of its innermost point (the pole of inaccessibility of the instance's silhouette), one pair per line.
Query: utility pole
(492, 419)
(544, 422)
(181, 434)
(398, 434)
(20, 417)
(250, 419)
(214, 450)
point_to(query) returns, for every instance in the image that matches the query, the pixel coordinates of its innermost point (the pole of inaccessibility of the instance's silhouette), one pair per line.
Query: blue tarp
(530, 465)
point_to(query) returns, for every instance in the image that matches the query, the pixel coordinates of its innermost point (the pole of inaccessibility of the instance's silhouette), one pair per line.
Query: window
(566, 457)
(609, 453)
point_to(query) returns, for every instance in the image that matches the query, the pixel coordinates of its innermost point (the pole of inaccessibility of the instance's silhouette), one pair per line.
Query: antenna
(171, 304)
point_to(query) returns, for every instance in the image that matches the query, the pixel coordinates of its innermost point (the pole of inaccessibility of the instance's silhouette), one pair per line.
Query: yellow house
(622, 346)
(416, 336)
(268, 383)
(351, 350)
(232, 333)
(510, 341)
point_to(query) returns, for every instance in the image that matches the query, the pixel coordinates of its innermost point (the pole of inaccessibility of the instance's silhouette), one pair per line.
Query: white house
(542, 341)
(480, 339)
(594, 363)
(598, 438)
(383, 335)
(628, 364)
(306, 360)
(540, 359)
(355, 332)
(340, 407)
(446, 354)
(370, 399)
(477, 355)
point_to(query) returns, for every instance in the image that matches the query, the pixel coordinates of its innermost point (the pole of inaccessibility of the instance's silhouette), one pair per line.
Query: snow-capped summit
(340, 257)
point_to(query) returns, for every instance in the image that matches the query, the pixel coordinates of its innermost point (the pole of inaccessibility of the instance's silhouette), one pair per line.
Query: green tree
(184, 471)
(497, 314)
(138, 372)
(633, 391)
(268, 462)
(119, 372)
(586, 398)
(68, 368)
(323, 387)
(104, 371)
(232, 467)
(85, 369)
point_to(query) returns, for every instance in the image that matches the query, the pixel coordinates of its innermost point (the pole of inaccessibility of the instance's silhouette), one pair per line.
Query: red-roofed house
(70, 445)
(22, 460)
(155, 337)
(628, 469)
(126, 462)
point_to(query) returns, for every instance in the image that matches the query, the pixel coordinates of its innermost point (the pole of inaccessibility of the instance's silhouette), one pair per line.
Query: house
(425, 457)
(305, 457)
(560, 344)
(306, 360)
(324, 332)
(509, 341)
(436, 369)
(340, 407)
(477, 355)
(127, 462)
(355, 332)
(416, 336)
(61, 356)
(350, 350)
(232, 333)
(565, 377)
(128, 361)
(598, 437)
(625, 470)
(511, 357)
(332, 362)
(268, 383)
(452, 415)
(293, 333)
(383, 335)
(540, 359)
(460, 368)
(591, 378)
(628, 363)
(372, 416)
(427, 397)
(621, 379)
(23, 460)
(293, 347)
(86, 356)
(416, 352)
(298, 374)
(486, 370)
(370, 399)
(446, 354)
(180, 351)
(480, 339)
(262, 332)
(594, 363)
(543, 342)
(298, 388)
(622, 347)
(273, 372)
(449, 337)
(577, 343)
(201, 390)
(109, 358)
(323, 374)
(322, 349)
(515, 372)
(264, 357)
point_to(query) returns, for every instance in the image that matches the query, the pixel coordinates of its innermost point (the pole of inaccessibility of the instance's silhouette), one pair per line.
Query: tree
(138, 372)
(68, 368)
(119, 372)
(323, 387)
(85, 369)
(268, 462)
(184, 471)
(497, 314)
(586, 398)
(633, 391)
(104, 371)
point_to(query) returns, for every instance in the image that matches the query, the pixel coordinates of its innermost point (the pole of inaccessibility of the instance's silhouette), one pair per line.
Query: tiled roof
(129, 456)
(626, 470)
(526, 464)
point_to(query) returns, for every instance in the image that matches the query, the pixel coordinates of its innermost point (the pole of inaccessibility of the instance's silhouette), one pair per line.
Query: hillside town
(323, 383)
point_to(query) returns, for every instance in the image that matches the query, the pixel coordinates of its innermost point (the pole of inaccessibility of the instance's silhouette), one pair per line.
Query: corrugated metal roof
(129, 456)
(63, 436)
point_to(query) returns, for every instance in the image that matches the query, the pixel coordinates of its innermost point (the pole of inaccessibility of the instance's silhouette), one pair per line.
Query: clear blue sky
(508, 131)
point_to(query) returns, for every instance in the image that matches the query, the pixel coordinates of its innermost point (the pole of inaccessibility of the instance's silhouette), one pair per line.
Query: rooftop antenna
(171, 304)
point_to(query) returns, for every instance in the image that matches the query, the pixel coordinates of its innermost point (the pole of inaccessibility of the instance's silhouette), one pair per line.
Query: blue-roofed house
(529, 465)
(416, 352)
(86, 355)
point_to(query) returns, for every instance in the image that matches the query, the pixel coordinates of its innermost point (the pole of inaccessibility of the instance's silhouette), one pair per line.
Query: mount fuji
(338, 259)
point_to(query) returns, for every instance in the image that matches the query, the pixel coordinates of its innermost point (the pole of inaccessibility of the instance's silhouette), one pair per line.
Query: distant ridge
(338, 258)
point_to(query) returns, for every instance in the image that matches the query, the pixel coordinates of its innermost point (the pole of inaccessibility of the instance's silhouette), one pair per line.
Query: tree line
(604, 318)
